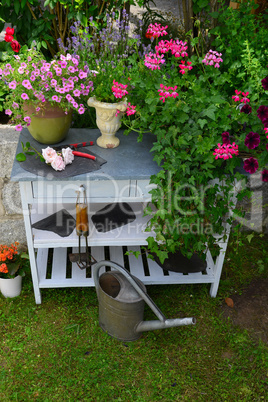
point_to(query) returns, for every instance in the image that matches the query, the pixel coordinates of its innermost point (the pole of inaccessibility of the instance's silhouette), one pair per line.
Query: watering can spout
(157, 324)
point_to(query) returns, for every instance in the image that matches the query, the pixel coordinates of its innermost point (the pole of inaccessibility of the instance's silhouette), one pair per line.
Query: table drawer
(56, 190)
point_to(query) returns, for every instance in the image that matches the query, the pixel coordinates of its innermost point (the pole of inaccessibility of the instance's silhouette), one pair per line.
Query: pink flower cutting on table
(68, 155)
(58, 163)
(226, 151)
(49, 154)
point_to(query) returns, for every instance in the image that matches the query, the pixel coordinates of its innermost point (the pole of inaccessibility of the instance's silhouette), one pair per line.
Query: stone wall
(11, 218)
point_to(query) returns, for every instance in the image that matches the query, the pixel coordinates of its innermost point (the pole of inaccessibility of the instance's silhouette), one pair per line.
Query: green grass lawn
(57, 351)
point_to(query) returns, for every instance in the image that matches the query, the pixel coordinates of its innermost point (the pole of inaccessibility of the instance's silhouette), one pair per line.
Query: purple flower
(226, 138)
(265, 83)
(246, 109)
(262, 112)
(252, 140)
(264, 175)
(251, 165)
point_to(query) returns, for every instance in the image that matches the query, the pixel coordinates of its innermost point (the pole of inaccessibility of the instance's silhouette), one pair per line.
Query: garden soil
(250, 309)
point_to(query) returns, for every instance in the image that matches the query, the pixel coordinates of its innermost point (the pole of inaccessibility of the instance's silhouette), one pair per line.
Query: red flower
(9, 31)
(15, 46)
(8, 38)
(265, 83)
(251, 165)
(226, 138)
(252, 140)
(246, 109)
(149, 35)
(264, 175)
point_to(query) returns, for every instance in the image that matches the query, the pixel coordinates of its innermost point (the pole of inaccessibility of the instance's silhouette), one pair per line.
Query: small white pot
(108, 121)
(11, 287)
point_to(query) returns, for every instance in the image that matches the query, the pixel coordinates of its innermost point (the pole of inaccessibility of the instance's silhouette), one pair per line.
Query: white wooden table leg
(25, 190)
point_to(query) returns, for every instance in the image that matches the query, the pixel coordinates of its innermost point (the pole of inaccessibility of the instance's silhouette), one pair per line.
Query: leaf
(17, 6)
(202, 122)
(182, 117)
(250, 237)
(229, 302)
(21, 157)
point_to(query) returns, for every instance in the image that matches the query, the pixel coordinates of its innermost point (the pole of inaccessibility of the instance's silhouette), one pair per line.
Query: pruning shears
(74, 149)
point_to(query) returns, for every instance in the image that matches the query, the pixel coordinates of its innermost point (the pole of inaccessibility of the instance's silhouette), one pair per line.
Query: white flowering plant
(31, 79)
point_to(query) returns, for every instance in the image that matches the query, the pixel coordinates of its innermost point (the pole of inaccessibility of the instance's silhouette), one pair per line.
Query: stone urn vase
(108, 121)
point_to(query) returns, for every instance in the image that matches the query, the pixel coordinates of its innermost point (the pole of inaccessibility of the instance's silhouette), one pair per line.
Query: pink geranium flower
(226, 151)
(153, 61)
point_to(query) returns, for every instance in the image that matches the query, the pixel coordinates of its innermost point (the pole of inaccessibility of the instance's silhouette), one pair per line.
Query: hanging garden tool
(83, 260)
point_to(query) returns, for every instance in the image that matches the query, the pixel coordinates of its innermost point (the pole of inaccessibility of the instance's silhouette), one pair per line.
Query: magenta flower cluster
(212, 58)
(176, 47)
(243, 99)
(167, 92)
(156, 30)
(119, 90)
(154, 60)
(226, 151)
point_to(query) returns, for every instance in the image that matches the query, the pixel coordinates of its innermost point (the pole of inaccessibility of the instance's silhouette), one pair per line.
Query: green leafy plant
(184, 102)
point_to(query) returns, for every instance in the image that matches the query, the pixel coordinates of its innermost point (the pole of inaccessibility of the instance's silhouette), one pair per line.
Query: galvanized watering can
(121, 299)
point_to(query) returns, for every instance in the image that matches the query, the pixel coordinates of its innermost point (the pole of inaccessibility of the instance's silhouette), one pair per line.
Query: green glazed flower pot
(50, 125)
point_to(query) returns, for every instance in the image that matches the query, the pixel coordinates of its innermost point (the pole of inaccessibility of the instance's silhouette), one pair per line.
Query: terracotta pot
(11, 287)
(108, 121)
(50, 125)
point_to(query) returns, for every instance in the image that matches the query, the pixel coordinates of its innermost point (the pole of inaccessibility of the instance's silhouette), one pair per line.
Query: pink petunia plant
(30, 78)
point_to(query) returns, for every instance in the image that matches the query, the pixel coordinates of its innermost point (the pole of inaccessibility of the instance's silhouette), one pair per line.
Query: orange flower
(3, 268)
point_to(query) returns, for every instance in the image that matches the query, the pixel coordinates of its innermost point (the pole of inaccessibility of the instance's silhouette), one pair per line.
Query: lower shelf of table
(55, 269)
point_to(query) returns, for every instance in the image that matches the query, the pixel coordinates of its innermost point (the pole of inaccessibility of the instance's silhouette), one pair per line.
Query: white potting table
(124, 178)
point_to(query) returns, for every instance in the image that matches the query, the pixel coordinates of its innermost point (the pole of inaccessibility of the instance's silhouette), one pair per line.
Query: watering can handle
(96, 268)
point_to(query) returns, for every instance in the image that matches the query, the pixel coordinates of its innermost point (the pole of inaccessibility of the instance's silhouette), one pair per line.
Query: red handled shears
(74, 149)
